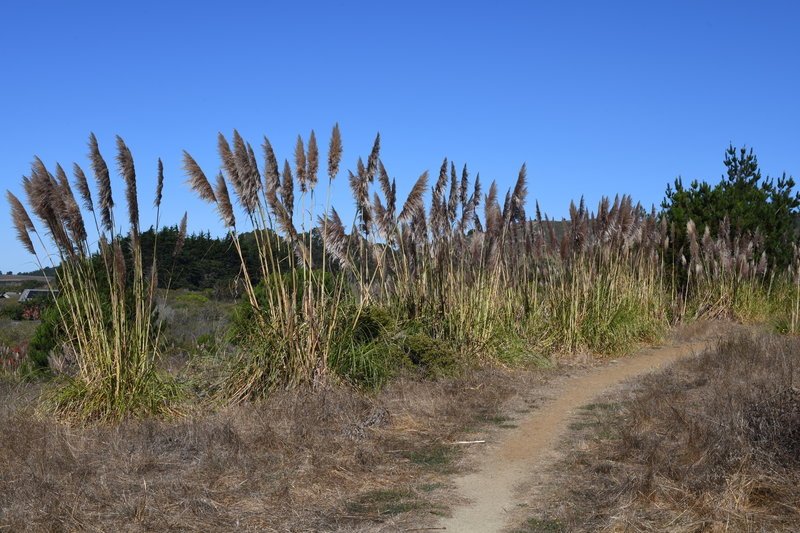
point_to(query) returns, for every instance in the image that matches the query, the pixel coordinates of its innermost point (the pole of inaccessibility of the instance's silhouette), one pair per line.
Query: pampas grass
(105, 303)
(598, 282)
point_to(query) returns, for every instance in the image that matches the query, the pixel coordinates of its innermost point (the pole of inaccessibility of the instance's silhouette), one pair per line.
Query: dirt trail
(491, 490)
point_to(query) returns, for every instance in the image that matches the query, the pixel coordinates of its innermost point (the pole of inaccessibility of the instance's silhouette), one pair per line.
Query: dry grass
(329, 460)
(711, 444)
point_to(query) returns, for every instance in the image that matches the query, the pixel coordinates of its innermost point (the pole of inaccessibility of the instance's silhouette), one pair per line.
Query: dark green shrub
(372, 323)
(434, 356)
(46, 337)
(368, 365)
(12, 310)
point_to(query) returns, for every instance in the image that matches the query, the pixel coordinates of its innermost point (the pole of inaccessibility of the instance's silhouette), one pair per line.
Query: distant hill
(24, 279)
(49, 272)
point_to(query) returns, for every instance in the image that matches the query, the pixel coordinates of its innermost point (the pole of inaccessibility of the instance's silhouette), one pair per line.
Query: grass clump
(435, 457)
(384, 503)
(106, 301)
(541, 525)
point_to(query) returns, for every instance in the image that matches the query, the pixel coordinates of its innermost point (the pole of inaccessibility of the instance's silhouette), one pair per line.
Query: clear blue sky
(598, 98)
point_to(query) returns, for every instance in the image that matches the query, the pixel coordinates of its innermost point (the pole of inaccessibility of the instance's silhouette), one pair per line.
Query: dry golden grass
(328, 460)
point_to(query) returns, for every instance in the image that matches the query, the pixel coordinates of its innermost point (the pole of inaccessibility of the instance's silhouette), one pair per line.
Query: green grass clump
(384, 503)
(542, 525)
(435, 457)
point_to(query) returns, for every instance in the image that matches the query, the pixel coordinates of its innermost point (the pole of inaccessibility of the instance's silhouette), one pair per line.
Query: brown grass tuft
(710, 444)
(243, 467)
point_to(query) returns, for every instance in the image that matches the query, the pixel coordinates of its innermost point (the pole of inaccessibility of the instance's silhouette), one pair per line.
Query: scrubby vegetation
(321, 317)
(433, 286)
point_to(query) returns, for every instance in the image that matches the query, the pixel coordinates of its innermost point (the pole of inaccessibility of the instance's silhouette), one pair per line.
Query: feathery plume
(47, 203)
(438, 203)
(72, 213)
(372, 160)
(475, 202)
(300, 164)
(463, 188)
(160, 185)
(491, 212)
(389, 192)
(119, 265)
(272, 181)
(224, 204)
(414, 203)
(179, 242)
(226, 155)
(197, 179)
(287, 189)
(334, 152)
(126, 168)
(519, 195)
(312, 161)
(452, 201)
(243, 176)
(101, 175)
(22, 222)
(335, 238)
(381, 217)
(360, 186)
(83, 187)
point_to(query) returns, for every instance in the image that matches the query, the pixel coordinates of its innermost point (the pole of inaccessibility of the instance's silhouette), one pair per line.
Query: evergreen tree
(751, 202)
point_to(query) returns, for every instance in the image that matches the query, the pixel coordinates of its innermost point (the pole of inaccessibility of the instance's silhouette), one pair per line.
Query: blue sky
(598, 98)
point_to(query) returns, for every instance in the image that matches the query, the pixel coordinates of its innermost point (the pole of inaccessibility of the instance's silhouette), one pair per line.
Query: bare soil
(490, 496)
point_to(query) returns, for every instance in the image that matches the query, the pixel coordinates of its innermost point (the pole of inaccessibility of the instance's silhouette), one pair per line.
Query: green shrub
(11, 310)
(434, 356)
(191, 299)
(368, 365)
(372, 322)
(46, 338)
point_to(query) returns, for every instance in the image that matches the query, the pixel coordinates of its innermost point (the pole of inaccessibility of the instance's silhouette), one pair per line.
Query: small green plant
(434, 356)
(384, 503)
(542, 525)
(437, 457)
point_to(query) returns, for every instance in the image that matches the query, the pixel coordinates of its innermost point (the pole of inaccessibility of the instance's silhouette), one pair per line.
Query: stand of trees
(206, 262)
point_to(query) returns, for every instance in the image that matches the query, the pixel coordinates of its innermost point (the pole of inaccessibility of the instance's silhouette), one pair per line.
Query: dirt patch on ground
(709, 444)
(490, 496)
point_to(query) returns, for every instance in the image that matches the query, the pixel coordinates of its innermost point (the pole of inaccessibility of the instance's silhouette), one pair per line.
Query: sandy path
(490, 491)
